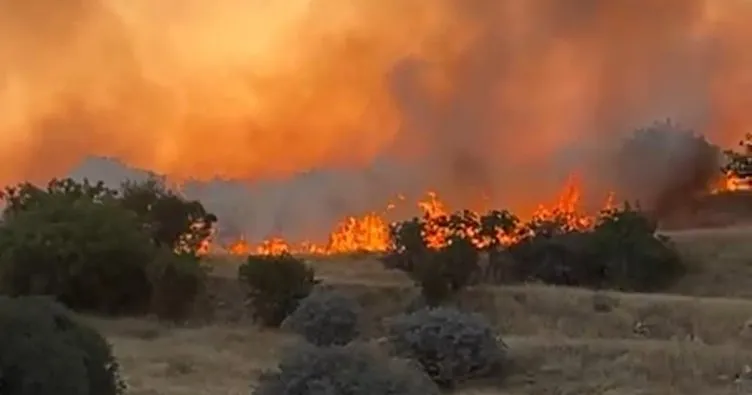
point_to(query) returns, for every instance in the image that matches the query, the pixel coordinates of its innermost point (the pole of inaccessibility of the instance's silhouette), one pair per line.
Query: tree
(173, 221)
(740, 162)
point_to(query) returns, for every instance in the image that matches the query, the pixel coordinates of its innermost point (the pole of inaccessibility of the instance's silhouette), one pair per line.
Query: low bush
(91, 255)
(347, 370)
(325, 318)
(634, 256)
(446, 271)
(275, 284)
(451, 346)
(177, 280)
(622, 251)
(45, 351)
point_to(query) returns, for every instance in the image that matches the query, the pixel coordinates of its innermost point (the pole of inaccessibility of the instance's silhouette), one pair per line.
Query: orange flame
(370, 232)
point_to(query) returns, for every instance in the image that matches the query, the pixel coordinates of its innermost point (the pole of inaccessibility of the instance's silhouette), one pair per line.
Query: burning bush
(172, 221)
(441, 253)
(275, 285)
(44, 351)
(343, 371)
(450, 345)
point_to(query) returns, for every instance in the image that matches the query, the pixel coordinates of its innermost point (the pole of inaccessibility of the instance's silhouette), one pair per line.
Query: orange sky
(473, 89)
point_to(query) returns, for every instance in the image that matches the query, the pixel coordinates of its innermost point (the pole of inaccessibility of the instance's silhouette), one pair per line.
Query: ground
(695, 340)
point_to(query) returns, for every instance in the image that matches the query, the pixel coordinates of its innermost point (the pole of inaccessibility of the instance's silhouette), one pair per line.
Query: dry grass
(563, 341)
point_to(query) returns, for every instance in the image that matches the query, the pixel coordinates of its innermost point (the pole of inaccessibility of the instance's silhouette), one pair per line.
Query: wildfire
(370, 232)
(730, 183)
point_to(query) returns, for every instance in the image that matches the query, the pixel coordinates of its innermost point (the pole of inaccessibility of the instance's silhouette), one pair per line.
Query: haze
(341, 104)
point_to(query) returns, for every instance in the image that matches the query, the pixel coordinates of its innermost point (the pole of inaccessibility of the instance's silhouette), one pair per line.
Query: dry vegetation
(563, 341)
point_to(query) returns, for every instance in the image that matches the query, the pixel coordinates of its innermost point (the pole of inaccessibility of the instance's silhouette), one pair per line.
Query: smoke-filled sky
(467, 96)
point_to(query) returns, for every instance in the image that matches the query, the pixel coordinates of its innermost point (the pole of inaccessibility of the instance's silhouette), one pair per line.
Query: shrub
(343, 371)
(621, 252)
(325, 318)
(446, 271)
(633, 256)
(171, 220)
(569, 259)
(275, 285)
(177, 280)
(451, 346)
(44, 351)
(91, 255)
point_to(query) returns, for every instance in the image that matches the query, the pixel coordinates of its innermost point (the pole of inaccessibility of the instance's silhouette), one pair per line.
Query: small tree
(740, 162)
(174, 222)
(90, 255)
(275, 285)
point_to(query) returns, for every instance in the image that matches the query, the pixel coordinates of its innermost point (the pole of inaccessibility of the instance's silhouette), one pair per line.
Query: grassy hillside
(696, 340)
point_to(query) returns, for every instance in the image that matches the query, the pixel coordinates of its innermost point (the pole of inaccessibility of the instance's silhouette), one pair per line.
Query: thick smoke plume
(341, 104)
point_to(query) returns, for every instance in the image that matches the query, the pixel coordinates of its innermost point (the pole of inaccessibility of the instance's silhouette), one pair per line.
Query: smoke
(342, 104)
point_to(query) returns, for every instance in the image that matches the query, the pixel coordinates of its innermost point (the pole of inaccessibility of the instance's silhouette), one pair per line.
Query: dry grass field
(696, 340)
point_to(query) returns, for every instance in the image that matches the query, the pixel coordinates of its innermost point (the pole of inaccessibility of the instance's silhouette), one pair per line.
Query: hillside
(563, 341)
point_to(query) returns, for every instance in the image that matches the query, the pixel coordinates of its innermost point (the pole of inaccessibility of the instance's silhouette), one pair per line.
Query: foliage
(326, 318)
(558, 258)
(27, 196)
(177, 280)
(90, 255)
(447, 270)
(450, 345)
(664, 165)
(43, 350)
(275, 285)
(740, 162)
(444, 269)
(170, 219)
(174, 222)
(622, 251)
(309, 370)
(634, 256)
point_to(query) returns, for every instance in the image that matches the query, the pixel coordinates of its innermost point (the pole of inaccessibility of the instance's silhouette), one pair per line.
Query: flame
(370, 232)
(730, 182)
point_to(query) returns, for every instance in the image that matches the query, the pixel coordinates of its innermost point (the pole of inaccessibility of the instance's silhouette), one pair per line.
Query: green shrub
(45, 351)
(621, 252)
(171, 220)
(446, 271)
(569, 259)
(275, 285)
(325, 318)
(177, 280)
(91, 255)
(633, 256)
(450, 345)
(349, 370)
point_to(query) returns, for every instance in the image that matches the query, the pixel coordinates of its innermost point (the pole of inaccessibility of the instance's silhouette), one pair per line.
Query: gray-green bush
(350, 370)
(45, 351)
(325, 318)
(450, 345)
